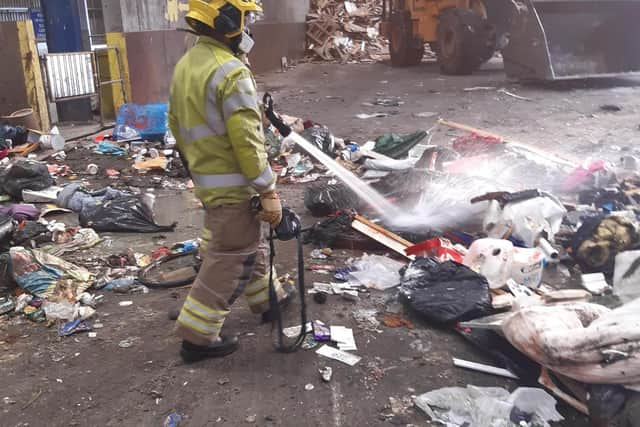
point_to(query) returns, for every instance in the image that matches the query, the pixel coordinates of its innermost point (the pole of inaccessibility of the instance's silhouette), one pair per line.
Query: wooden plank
(380, 235)
(546, 381)
(384, 231)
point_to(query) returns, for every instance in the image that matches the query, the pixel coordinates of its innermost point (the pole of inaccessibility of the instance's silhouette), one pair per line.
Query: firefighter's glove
(271, 209)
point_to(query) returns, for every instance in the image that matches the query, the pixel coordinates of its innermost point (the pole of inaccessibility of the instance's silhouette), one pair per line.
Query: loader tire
(465, 41)
(404, 48)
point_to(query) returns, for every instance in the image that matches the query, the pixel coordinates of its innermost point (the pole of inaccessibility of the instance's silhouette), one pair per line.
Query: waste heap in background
(345, 31)
(51, 216)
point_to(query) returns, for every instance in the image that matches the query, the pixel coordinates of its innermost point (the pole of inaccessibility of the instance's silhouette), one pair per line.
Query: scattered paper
(343, 337)
(294, 331)
(339, 355)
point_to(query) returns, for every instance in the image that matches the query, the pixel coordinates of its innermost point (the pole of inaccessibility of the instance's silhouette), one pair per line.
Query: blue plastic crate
(149, 120)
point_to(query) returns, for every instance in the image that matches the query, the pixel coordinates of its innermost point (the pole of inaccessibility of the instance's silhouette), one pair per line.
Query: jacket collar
(212, 41)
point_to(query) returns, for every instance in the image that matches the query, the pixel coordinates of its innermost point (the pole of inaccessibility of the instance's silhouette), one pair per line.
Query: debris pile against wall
(345, 31)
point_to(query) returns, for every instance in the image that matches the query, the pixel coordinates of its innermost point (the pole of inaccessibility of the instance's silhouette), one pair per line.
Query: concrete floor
(94, 382)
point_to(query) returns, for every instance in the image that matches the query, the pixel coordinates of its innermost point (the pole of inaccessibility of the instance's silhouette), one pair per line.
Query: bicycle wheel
(171, 271)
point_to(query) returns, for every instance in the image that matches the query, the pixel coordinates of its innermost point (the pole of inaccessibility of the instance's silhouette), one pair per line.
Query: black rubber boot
(268, 316)
(194, 353)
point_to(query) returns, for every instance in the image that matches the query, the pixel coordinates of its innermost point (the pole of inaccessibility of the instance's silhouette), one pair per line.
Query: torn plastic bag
(398, 146)
(25, 174)
(488, 406)
(583, 341)
(47, 276)
(324, 199)
(122, 213)
(445, 292)
(598, 241)
(321, 137)
(376, 271)
(112, 149)
(525, 221)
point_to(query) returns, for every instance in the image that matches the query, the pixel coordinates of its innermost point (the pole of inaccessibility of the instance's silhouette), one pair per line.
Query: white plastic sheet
(487, 406)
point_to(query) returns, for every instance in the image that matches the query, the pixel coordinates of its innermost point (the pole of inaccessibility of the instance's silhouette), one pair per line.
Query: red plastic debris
(438, 248)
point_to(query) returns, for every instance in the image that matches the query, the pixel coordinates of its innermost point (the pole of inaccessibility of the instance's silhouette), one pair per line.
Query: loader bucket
(569, 39)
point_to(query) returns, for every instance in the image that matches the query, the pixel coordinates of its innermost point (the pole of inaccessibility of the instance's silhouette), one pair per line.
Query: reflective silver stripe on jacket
(196, 132)
(239, 101)
(220, 180)
(246, 85)
(214, 118)
(266, 181)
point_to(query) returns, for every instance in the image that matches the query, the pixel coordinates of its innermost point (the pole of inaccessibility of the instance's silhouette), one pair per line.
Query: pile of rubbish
(520, 252)
(346, 31)
(530, 257)
(48, 275)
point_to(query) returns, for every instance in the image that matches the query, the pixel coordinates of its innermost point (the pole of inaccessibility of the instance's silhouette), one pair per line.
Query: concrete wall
(154, 46)
(285, 11)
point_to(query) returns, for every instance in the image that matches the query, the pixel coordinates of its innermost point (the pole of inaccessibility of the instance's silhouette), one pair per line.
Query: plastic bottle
(527, 267)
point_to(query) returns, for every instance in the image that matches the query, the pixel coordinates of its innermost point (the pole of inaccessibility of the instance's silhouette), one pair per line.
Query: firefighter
(216, 119)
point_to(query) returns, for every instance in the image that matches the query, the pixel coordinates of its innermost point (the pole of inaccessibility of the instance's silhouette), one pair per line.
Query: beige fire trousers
(235, 263)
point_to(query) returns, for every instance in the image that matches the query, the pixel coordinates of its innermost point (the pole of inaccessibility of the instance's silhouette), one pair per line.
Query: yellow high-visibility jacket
(216, 120)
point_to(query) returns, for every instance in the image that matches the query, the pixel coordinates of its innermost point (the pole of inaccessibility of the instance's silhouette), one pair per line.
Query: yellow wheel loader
(539, 40)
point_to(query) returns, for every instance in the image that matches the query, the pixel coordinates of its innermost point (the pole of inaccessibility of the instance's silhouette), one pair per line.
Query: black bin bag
(444, 293)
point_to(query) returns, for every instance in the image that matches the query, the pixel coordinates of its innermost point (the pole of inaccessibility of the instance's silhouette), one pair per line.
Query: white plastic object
(526, 220)
(62, 310)
(527, 267)
(492, 258)
(550, 253)
(626, 274)
(125, 132)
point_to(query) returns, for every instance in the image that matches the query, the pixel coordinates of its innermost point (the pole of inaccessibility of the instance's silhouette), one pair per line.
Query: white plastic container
(492, 258)
(527, 267)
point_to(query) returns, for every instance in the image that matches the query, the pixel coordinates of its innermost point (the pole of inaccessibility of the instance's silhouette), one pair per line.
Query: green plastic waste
(398, 146)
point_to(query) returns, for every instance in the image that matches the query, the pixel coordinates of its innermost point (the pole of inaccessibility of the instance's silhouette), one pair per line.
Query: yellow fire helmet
(227, 16)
